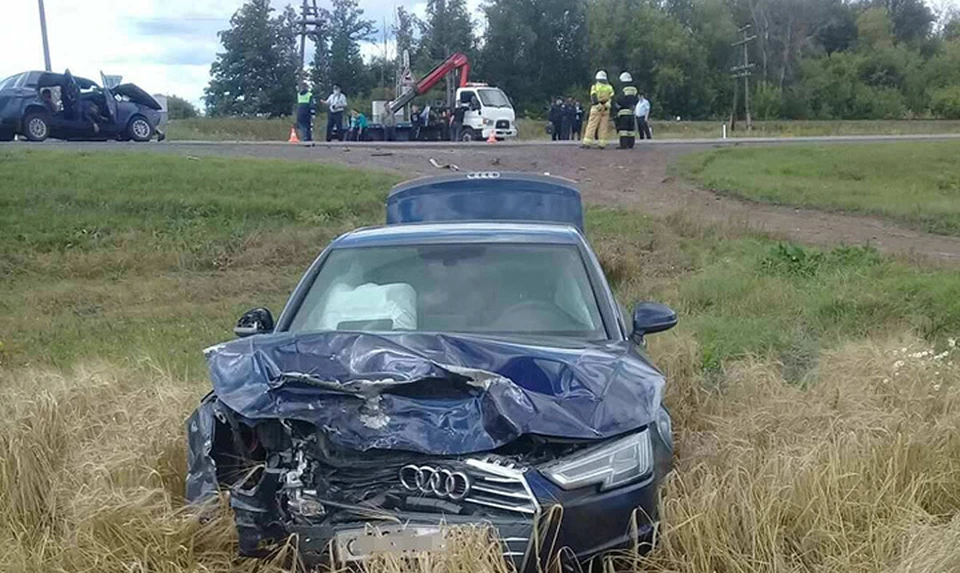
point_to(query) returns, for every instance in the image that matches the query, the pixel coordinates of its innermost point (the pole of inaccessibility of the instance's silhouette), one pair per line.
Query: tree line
(813, 59)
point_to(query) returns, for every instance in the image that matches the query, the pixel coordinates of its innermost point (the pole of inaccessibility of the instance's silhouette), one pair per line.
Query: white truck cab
(489, 111)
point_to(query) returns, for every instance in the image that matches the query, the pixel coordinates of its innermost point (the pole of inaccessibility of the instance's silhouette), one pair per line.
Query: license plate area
(361, 544)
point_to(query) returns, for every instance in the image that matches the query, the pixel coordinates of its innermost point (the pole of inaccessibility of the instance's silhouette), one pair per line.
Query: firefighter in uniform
(598, 126)
(626, 105)
(306, 107)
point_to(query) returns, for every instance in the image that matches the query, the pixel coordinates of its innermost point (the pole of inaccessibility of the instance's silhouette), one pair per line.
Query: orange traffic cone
(493, 137)
(293, 136)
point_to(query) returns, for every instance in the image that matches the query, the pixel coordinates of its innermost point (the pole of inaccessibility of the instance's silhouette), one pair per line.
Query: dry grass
(859, 471)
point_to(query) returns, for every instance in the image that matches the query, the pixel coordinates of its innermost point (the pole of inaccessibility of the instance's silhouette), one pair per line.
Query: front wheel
(468, 135)
(36, 127)
(139, 129)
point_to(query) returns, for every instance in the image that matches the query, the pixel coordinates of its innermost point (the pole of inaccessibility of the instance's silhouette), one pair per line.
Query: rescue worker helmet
(601, 76)
(626, 78)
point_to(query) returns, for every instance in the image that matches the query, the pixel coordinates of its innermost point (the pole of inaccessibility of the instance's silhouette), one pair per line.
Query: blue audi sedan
(466, 363)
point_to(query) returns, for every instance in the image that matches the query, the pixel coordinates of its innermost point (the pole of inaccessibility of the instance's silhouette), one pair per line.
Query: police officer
(626, 106)
(598, 126)
(306, 107)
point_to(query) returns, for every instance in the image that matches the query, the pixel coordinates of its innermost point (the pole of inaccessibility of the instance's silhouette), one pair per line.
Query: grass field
(241, 129)
(917, 183)
(815, 393)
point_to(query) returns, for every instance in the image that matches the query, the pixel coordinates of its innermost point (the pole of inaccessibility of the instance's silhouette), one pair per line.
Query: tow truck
(488, 109)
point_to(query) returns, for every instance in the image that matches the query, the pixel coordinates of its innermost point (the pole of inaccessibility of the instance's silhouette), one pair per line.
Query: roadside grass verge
(230, 129)
(815, 391)
(915, 183)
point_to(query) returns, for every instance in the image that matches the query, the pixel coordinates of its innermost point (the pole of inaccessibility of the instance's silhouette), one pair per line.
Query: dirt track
(636, 178)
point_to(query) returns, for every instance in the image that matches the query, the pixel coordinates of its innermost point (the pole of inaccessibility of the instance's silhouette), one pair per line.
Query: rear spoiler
(486, 197)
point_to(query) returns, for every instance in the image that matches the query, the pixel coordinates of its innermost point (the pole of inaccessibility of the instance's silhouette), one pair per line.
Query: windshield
(454, 288)
(494, 98)
(9, 82)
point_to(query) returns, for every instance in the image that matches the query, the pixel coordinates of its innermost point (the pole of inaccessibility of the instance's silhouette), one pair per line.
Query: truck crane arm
(455, 62)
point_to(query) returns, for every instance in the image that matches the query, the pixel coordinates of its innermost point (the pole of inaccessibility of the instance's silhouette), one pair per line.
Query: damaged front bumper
(409, 501)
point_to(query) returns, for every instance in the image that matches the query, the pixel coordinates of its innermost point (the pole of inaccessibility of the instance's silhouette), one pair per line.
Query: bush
(768, 101)
(179, 108)
(945, 102)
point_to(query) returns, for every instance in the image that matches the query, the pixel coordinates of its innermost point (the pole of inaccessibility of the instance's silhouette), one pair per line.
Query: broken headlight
(608, 466)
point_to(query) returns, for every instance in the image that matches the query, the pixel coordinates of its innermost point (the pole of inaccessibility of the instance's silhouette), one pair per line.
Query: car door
(110, 101)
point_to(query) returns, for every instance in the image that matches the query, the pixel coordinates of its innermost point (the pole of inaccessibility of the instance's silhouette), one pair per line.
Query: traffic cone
(493, 137)
(293, 136)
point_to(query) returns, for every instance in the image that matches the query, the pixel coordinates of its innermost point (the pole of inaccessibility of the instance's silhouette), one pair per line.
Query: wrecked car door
(110, 102)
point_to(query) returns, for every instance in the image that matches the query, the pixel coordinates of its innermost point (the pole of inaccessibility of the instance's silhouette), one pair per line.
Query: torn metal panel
(437, 393)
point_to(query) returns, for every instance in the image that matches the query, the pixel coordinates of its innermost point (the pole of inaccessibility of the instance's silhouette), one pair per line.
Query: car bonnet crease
(438, 394)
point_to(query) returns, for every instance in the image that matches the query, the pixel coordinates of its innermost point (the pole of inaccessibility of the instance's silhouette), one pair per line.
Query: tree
(447, 30)
(912, 19)
(179, 108)
(404, 31)
(536, 49)
(256, 74)
(874, 28)
(347, 29)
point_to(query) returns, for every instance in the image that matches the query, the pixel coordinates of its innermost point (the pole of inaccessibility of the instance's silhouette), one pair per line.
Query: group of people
(440, 122)
(566, 120)
(631, 107)
(448, 122)
(336, 104)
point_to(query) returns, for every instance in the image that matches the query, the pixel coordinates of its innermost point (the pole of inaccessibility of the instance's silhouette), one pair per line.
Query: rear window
(10, 82)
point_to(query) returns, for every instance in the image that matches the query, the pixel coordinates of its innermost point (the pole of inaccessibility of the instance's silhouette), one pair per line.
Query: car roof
(460, 232)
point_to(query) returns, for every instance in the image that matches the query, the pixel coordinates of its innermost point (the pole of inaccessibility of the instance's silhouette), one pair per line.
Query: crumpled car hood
(437, 393)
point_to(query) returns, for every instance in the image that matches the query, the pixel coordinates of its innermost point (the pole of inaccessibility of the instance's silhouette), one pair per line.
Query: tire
(468, 135)
(6, 136)
(139, 129)
(36, 127)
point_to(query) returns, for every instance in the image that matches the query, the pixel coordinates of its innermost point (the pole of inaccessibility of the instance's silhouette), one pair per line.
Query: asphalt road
(528, 143)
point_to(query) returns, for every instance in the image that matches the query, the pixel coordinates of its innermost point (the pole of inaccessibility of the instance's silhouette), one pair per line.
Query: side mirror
(652, 317)
(256, 321)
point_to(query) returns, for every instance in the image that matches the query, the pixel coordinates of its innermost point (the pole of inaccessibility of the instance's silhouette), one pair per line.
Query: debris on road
(450, 166)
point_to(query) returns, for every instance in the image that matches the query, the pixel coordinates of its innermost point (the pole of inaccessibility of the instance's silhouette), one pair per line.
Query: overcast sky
(165, 46)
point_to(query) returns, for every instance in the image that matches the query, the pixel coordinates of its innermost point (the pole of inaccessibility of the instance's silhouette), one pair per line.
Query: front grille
(501, 486)
(503, 124)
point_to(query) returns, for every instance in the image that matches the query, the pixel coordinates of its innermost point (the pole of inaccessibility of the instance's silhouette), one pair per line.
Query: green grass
(230, 129)
(118, 255)
(747, 295)
(915, 183)
(128, 256)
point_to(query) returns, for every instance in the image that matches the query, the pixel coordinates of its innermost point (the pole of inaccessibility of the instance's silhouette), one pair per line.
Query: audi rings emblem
(439, 482)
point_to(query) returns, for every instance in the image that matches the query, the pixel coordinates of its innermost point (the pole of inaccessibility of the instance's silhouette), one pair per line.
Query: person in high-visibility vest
(626, 106)
(306, 107)
(598, 126)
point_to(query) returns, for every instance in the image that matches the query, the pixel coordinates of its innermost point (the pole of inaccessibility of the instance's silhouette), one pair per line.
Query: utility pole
(742, 71)
(310, 25)
(43, 32)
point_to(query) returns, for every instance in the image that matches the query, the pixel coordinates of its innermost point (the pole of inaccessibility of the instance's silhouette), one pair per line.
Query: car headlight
(608, 466)
(487, 122)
